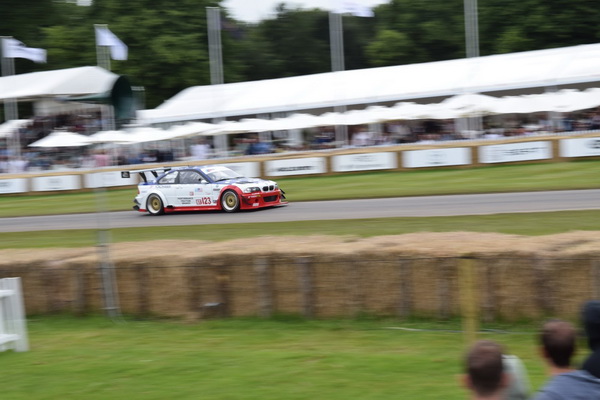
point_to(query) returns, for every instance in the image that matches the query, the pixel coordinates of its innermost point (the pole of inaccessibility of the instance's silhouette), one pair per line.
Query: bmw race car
(206, 187)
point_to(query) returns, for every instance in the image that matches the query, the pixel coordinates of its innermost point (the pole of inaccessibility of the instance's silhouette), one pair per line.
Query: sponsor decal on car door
(193, 191)
(203, 195)
(184, 195)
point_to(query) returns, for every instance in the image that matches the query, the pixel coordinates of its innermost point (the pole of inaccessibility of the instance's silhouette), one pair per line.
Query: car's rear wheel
(155, 205)
(230, 202)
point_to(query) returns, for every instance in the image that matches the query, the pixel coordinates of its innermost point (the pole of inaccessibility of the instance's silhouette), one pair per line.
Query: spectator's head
(558, 340)
(591, 323)
(485, 375)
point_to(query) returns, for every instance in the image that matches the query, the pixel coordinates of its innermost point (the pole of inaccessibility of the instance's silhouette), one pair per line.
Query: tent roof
(61, 82)
(552, 67)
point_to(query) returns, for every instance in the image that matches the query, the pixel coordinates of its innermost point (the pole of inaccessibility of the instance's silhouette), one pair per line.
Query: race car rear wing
(142, 172)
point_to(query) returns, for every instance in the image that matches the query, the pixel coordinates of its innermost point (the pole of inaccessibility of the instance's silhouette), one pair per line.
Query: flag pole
(102, 52)
(106, 267)
(472, 50)
(103, 59)
(336, 39)
(10, 105)
(215, 54)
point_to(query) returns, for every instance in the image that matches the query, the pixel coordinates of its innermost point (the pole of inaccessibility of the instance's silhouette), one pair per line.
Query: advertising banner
(13, 186)
(512, 152)
(436, 157)
(52, 183)
(108, 179)
(364, 162)
(249, 169)
(295, 166)
(581, 147)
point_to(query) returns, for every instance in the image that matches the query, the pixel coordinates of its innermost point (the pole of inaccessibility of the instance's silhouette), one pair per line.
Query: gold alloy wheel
(155, 205)
(230, 201)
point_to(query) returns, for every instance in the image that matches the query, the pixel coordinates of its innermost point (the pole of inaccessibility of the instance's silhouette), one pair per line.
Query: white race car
(206, 187)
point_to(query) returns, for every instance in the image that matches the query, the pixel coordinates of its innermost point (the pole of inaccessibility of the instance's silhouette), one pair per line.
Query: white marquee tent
(465, 105)
(62, 139)
(515, 71)
(61, 82)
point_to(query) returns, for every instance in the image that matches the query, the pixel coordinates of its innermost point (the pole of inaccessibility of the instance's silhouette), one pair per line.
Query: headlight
(252, 190)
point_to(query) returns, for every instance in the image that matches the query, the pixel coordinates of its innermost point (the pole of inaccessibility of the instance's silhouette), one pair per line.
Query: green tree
(167, 42)
(296, 42)
(511, 25)
(430, 31)
(25, 20)
(389, 48)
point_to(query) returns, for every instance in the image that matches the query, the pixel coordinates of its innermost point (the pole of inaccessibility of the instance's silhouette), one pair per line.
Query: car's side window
(190, 177)
(169, 178)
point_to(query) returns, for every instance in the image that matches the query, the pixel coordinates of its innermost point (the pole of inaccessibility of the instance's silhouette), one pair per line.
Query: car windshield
(221, 173)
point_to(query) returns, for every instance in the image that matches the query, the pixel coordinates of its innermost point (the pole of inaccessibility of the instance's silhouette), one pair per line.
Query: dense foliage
(168, 41)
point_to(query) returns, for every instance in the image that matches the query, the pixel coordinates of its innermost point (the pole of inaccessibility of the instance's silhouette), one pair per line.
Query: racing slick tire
(154, 205)
(230, 201)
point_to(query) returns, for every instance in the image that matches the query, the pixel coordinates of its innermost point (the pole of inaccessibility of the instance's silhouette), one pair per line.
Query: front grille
(268, 188)
(269, 199)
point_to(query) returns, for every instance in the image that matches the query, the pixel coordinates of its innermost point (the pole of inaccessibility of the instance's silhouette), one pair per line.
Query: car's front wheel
(230, 202)
(155, 205)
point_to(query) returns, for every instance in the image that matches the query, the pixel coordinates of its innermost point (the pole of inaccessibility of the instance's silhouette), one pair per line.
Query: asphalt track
(430, 206)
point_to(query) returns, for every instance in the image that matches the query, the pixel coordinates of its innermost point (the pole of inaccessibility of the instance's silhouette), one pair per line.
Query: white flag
(118, 49)
(12, 48)
(358, 10)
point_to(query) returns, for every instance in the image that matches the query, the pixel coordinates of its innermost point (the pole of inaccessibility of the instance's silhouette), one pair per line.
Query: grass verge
(531, 224)
(93, 358)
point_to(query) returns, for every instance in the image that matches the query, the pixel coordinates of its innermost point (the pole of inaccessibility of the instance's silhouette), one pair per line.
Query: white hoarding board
(249, 169)
(13, 186)
(436, 157)
(511, 152)
(364, 162)
(52, 183)
(581, 147)
(108, 179)
(295, 166)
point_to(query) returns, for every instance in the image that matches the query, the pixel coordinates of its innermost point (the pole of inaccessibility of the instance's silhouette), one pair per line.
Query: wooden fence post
(195, 290)
(444, 292)
(489, 300)
(355, 286)
(405, 303)
(52, 283)
(81, 304)
(469, 298)
(223, 279)
(544, 298)
(265, 290)
(306, 286)
(143, 281)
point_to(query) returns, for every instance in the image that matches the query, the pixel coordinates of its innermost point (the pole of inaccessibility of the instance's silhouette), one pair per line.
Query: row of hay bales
(512, 277)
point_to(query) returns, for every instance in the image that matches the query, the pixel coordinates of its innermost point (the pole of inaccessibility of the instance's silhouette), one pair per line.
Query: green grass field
(94, 358)
(533, 224)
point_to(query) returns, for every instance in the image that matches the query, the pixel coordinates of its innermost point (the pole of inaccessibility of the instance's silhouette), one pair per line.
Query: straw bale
(517, 276)
(286, 285)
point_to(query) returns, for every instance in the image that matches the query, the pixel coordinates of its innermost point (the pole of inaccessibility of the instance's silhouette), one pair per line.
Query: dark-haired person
(484, 366)
(558, 340)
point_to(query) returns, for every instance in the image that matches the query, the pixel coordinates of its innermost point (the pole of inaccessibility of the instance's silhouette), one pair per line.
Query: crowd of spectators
(390, 133)
(489, 376)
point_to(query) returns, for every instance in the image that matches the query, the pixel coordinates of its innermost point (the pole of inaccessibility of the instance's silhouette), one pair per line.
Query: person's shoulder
(576, 384)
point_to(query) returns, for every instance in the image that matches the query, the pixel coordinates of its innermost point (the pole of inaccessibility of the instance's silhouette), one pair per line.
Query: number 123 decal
(203, 201)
